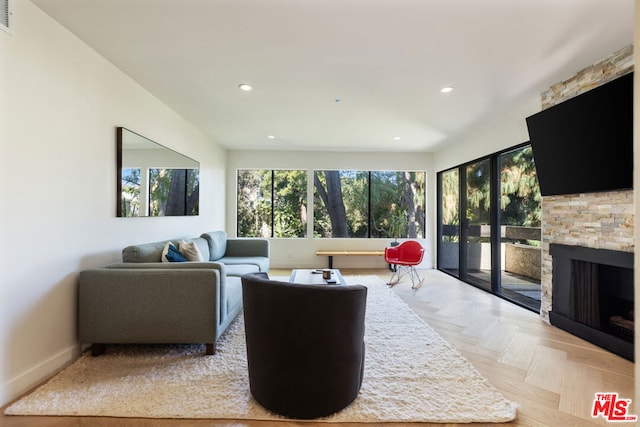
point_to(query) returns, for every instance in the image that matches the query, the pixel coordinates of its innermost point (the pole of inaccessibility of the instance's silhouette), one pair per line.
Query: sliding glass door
(489, 225)
(465, 222)
(520, 220)
(476, 223)
(449, 222)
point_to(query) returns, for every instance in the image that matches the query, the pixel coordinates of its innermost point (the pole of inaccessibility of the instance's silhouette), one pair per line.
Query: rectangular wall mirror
(153, 180)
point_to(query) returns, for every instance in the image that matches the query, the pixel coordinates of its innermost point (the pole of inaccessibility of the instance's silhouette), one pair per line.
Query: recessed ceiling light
(271, 137)
(245, 87)
(446, 89)
(396, 138)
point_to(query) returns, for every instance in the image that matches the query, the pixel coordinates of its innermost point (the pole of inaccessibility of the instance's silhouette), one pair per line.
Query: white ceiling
(346, 74)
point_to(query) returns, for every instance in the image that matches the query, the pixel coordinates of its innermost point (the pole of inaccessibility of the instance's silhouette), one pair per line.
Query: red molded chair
(405, 257)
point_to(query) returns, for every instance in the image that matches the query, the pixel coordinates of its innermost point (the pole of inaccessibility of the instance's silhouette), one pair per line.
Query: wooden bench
(348, 252)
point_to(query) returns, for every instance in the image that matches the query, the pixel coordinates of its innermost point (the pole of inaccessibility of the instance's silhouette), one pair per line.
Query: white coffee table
(310, 276)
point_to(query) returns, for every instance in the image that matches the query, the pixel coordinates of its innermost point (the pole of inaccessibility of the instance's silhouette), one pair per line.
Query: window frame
(272, 197)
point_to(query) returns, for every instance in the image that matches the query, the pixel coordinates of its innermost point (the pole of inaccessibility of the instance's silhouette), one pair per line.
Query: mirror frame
(120, 144)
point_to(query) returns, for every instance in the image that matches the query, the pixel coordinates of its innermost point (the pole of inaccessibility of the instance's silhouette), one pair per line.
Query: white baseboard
(37, 374)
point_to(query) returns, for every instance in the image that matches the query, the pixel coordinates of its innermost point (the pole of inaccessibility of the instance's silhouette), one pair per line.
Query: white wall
(498, 132)
(290, 253)
(60, 103)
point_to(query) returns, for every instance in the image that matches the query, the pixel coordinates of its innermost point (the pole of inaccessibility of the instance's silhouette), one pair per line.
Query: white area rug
(411, 374)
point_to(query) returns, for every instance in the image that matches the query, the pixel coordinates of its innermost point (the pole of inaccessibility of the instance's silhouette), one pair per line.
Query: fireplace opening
(593, 296)
(602, 297)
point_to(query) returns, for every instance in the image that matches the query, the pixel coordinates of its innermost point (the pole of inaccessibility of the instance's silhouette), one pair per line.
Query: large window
(489, 224)
(272, 203)
(375, 204)
(341, 203)
(346, 203)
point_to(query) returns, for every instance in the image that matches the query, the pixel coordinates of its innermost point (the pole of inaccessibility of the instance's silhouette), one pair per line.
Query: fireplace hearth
(593, 296)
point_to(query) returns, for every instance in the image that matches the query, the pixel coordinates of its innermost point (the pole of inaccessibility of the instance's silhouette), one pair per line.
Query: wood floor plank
(550, 373)
(518, 351)
(546, 370)
(580, 384)
(498, 336)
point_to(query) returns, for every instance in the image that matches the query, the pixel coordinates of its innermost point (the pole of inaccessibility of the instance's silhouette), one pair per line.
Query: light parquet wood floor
(551, 374)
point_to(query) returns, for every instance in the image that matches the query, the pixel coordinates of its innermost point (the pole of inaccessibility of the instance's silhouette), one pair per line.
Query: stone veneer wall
(596, 220)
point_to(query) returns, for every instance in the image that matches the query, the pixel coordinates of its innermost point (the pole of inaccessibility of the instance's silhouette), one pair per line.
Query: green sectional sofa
(145, 300)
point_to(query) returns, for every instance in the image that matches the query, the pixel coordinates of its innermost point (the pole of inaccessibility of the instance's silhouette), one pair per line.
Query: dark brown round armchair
(305, 345)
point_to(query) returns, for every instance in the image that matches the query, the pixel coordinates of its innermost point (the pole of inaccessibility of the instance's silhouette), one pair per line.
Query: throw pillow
(171, 254)
(190, 251)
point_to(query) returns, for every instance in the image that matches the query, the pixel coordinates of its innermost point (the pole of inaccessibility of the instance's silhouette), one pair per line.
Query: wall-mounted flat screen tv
(585, 144)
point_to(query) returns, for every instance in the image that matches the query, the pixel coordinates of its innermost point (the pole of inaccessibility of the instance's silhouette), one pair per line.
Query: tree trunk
(332, 198)
(176, 195)
(408, 193)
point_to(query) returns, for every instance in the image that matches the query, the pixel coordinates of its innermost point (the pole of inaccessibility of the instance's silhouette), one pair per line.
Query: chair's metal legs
(402, 271)
(415, 278)
(395, 274)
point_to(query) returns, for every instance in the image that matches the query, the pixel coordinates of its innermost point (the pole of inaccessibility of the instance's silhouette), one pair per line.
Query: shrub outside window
(271, 203)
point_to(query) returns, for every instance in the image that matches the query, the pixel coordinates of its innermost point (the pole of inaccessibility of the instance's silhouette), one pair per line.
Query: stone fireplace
(603, 220)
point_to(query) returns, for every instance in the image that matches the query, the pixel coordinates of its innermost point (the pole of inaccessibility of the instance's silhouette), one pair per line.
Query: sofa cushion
(238, 270)
(251, 263)
(191, 251)
(203, 247)
(171, 254)
(146, 252)
(234, 293)
(217, 244)
(152, 252)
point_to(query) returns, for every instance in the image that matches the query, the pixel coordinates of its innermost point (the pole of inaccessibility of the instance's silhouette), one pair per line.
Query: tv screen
(585, 144)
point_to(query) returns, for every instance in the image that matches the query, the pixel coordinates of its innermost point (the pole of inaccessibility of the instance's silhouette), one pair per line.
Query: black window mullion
(439, 226)
(273, 193)
(464, 222)
(494, 212)
(369, 206)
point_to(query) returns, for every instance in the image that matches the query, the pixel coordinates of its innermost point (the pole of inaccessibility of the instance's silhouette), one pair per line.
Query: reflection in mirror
(154, 180)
